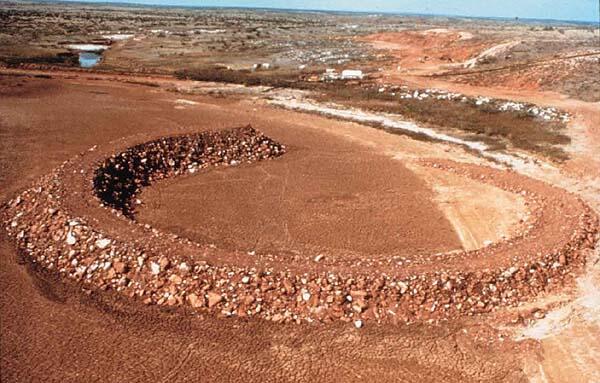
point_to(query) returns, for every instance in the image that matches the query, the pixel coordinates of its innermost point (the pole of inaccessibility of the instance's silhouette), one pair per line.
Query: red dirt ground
(320, 197)
(49, 121)
(564, 358)
(418, 51)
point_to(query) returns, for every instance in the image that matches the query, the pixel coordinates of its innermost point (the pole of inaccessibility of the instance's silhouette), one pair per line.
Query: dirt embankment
(427, 51)
(525, 61)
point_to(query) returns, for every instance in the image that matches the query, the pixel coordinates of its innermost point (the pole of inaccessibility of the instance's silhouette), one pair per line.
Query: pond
(89, 54)
(89, 59)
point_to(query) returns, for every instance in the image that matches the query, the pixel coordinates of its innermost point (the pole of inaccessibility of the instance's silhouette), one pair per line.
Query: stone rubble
(403, 92)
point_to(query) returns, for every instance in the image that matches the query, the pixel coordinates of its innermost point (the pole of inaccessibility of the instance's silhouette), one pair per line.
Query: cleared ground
(326, 195)
(478, 212)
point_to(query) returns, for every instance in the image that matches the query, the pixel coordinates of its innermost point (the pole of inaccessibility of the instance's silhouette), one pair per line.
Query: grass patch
(63, 58)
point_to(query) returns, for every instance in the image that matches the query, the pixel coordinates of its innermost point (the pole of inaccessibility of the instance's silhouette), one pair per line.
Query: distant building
(330, 75)
(352, 74)
(348, 74)
(261, 66)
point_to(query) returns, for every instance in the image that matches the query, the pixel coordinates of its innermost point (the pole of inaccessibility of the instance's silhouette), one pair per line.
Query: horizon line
(323, 10)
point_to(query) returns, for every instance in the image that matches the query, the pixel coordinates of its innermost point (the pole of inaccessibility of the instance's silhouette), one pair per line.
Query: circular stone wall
(77, 222)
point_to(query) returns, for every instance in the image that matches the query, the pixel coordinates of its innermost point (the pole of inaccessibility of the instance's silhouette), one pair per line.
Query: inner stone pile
(58, 226)
(121, 176)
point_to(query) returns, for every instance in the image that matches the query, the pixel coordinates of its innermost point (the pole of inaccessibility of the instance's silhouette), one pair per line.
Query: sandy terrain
(565, 62)
(321, 198)
(426, 51)
(566, 331)
(479, 213)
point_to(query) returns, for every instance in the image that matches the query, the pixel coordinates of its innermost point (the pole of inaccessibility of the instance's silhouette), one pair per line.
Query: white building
(330, 75)
(352, 74)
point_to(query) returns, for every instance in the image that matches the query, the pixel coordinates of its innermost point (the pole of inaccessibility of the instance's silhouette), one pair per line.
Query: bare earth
(342, 190)
(48, 121)
(322, 197)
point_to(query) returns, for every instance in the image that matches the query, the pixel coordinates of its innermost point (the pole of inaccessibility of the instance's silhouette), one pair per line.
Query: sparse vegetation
(500, 128)
(211, 45)
(62, 58)
(273, 78)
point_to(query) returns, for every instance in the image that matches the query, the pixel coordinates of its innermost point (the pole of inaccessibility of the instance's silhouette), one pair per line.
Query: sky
(580, 10)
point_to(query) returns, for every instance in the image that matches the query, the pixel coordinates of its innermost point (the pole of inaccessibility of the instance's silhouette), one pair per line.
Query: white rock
(184, 267)
(71, 239)
(306, 296)
(510, 272)
(246, 279)
(102, 243)
(403, 287)
(154, 268)
(358, 323)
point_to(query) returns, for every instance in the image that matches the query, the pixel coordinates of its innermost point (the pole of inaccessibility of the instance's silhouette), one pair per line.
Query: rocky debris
(154, 268)
(102, 243)
(164, 263)
(118, 180)
(213, 299)
(119, 267)
(195, 301)
(538, 314)
(403, 93)
(159, 269)
(71, 239)
(184, 268)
